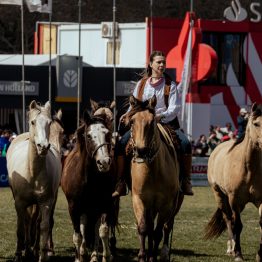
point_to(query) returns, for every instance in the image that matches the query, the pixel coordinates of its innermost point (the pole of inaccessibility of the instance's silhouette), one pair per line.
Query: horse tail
(216, 225)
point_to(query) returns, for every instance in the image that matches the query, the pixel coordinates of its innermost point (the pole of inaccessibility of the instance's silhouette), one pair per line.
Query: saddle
(168, 136)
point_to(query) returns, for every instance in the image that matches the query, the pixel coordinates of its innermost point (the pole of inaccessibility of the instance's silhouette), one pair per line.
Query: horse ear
(152, 102)
(48, 106)
(113, 104)
(94, 105)
(132, 101)
(59, 114)
(86, 117)
(33, 105)
(254, 107)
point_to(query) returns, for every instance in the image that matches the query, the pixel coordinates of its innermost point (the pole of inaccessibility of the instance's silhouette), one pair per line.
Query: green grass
(187, 242)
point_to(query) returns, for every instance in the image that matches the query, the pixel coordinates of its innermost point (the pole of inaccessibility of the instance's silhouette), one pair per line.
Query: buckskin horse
(155, 180)
(34, 171)
(234, 174)
(88, 183)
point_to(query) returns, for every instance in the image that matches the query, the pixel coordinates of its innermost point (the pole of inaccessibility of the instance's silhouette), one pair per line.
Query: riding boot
(186, 176)
(121, 187)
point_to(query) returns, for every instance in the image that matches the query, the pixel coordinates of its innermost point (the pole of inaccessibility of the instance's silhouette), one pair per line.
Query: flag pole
(79, 62)
(190, 111)
(23, 63)
(151, 26)
(114, 60)
(50, 60)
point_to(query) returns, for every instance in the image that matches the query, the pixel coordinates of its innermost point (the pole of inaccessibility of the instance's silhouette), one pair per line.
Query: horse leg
(77, 238)
(50, 242)
(83, 250)
(104, 235)
(158, 234)
(167, 227)
(27, 237)
(150, 236)
(20, 231)
(96, 241)
(237, 228)
(139, 211)
(45, 211)
(36, 231)
(259, 253)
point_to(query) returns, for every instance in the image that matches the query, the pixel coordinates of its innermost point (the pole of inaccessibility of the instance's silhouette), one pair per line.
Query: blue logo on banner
(3, 172)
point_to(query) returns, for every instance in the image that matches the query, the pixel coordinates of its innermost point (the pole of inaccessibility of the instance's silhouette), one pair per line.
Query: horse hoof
(239, 258)
(51, 253)
(17, 259)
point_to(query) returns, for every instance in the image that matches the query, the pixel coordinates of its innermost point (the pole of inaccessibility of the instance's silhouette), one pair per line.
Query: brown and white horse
(235, 176)
(155, 180)
(34, 171)
(88, 183)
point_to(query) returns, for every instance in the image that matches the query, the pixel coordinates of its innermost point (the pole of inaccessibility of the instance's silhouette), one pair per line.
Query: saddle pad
(166, 136)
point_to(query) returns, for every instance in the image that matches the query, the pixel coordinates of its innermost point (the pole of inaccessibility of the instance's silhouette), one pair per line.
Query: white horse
(34, 170)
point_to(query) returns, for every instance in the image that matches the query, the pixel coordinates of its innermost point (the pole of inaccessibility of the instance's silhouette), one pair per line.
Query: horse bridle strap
(99, 146)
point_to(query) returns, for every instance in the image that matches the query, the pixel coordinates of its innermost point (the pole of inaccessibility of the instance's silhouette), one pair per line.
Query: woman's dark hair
(148, 71)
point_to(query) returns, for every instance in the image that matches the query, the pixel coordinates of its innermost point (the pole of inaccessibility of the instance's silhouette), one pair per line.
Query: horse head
(141, 118)
(95, 138)
(254, 126)
(39, 126)
(104, 109)
(57, 131)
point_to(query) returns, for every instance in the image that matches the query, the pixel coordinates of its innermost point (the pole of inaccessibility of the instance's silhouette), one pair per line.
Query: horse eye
(32, 122)
(89, 137)
(256, 124)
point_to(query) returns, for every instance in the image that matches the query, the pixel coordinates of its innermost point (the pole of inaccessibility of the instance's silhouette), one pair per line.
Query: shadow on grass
(123, 255)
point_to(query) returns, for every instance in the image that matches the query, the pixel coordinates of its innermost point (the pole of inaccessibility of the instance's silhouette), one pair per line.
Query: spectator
(201, 147)
(242, 122)
(4, 141)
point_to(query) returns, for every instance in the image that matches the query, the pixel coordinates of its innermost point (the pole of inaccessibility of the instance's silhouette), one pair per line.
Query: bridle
(92, 154)
(151, 153)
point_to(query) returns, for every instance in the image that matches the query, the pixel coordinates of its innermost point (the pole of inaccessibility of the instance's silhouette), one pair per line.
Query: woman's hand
(158, 118)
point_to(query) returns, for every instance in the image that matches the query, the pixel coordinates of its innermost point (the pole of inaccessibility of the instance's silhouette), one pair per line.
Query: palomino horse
(155, 180)
(87, 182)
(234, 173)
(104, 109)
(34, 170)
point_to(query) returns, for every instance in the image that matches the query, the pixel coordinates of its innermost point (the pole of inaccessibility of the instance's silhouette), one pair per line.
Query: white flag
(42, 6)
(10, 2)
(186, 76)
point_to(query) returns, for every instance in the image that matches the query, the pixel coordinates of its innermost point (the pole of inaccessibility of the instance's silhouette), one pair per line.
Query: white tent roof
(30, 60)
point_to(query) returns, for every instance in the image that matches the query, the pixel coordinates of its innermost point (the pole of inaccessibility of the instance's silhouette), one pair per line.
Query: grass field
(187, 243)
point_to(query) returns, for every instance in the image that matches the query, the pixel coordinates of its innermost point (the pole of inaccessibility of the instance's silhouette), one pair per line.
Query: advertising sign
(15, 88)
(67, 78)
(199, 171)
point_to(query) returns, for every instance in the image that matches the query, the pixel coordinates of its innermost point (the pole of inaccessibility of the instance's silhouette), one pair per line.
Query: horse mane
(139, 107)
(256, 113)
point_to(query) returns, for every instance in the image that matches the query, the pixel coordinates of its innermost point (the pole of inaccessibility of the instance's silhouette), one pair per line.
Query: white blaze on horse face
(41, 126)
(99, 134)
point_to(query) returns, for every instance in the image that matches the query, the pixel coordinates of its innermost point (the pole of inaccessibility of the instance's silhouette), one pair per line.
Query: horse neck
(35, 162)
(252, 151)
(54, 138)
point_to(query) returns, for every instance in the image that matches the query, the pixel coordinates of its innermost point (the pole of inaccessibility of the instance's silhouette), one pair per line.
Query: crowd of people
(206, 144)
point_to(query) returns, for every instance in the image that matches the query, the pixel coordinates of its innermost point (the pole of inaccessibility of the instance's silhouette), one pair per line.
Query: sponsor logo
(236, 13)
(70, 78)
